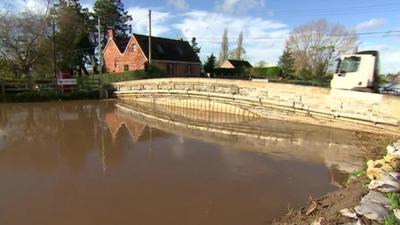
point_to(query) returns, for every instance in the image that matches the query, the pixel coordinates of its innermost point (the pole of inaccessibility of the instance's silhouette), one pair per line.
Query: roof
(161, 48)
(121, 43)
(167, 49)
(240, 63)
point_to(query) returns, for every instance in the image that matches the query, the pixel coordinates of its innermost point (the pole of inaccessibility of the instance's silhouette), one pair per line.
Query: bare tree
(239, 51)
(262, 63)
(223, 55)
(21, 39)
(317, 44)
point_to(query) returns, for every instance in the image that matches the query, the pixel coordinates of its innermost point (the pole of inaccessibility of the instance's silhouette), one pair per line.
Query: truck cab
(356, 71)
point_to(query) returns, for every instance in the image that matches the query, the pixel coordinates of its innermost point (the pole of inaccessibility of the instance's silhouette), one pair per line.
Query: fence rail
(10, 87)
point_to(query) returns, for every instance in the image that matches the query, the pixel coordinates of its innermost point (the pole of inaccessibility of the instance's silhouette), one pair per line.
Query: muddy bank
(348, 196)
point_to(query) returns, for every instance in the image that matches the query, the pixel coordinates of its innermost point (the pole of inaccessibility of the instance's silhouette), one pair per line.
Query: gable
(227, 65)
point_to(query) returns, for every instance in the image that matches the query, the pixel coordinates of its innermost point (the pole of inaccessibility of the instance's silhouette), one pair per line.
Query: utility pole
(100, 66)
(54, 51)
(149, 36)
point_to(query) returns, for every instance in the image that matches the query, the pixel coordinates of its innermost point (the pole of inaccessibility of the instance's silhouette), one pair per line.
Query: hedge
(266, 72)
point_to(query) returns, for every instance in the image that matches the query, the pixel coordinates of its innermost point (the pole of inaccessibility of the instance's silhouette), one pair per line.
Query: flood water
(94, 162)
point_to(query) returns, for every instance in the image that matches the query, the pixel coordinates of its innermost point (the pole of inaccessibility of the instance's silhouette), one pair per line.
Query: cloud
(263, 39)
(140, 21)
(371, 24)
(238, 6)
(37, 6)
(179, 4)
(389, 56)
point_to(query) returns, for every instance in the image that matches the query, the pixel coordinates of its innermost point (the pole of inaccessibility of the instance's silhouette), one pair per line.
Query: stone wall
(323, 106)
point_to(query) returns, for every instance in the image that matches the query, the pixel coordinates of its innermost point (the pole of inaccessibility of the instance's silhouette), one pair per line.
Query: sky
(265, 23)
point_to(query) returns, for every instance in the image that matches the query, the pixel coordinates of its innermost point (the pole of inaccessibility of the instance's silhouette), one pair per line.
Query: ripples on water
(106, 163)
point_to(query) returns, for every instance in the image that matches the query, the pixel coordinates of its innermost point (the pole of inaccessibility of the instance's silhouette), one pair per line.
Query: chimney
(110, 33)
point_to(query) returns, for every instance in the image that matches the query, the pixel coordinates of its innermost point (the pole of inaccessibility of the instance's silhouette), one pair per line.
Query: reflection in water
(335, 148)
(89, 162)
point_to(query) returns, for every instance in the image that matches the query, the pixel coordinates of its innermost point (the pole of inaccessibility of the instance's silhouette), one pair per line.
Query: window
(350, 64)
(116, 63)
(126, 67)
(133, 48)
(189, 70)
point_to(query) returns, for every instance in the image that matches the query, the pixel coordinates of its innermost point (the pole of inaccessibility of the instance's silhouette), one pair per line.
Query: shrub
(154, 71)
(266, 72)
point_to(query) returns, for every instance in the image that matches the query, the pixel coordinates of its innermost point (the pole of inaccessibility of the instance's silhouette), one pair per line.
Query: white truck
(357, 72)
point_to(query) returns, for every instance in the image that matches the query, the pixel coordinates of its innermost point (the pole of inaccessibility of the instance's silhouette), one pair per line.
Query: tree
(195, 46)
(209, 65)
(239, 51)
(73, 45)
(286, 63)
(6, 70)
(223, 55)
(112, 15)
(317, 44)
(262, 63)
(22, 39)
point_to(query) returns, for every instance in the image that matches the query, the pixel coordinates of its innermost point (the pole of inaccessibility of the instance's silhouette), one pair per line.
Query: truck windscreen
(350, 64)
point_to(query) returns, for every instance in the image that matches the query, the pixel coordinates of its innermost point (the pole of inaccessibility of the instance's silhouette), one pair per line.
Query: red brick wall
(135, 60)
(110, 54)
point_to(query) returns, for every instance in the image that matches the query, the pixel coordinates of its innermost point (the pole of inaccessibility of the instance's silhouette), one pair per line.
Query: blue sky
(270, 19)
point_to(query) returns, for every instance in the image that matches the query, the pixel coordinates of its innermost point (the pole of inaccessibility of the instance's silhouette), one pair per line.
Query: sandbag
(372, 210)
(388, 182)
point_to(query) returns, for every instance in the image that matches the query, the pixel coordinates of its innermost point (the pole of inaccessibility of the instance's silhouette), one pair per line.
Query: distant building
(235, 64)
(176, 57)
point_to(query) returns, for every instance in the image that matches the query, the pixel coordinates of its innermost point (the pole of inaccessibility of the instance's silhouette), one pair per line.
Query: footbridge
(314, 105)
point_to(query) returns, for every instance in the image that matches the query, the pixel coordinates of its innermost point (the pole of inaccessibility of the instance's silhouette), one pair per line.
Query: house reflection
(125, 132)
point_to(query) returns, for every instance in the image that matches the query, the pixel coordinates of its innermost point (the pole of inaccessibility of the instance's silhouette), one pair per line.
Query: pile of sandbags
(385, 178)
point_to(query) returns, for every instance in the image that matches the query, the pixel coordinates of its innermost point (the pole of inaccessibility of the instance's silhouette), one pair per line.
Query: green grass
(394, 200)
(391, 220)
(356, 175)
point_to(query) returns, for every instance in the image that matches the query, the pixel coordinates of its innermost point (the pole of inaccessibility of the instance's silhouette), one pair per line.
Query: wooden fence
(10, 87)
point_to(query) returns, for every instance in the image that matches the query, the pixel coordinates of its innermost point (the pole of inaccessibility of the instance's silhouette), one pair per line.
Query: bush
(266, 72)
(155, 72)
(118, 77)
(152, 72)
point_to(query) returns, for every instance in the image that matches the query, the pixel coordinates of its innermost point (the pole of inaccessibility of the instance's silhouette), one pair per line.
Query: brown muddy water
(101, 162)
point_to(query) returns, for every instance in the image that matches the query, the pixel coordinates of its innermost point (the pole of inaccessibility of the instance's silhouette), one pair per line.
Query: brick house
(176, 57)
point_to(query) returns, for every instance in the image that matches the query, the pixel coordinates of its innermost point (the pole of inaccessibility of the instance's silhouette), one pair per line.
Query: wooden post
(102, 94)
(150, 59)
(3, 90)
